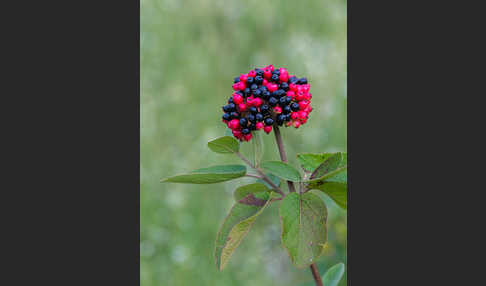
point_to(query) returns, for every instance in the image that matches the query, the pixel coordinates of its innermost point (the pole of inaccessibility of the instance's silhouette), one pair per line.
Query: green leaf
(237, 225)
(330, 164)
(333, 275)
(304, 232)
(337, 191)
(273, 178)
(310, 161)
(257, 148)
(209, 175)
(224, 145)
(282, 170)
(245, 190)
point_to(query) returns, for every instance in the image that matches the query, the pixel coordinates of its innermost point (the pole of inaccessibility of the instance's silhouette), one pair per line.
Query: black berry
(249, 81)
(281, 119)
(243, 122)
(268, 121)
(266, 95)
(286, 109)
(257, 93)
(251, 118)
(264, 109)
(237, 79)
(226, 116)
(253, 109)
(284, 86)
(258, 79)
(275, 77)
(295, 106)
(245, 130)
(259, 117)
(303, 80)
(272, 101)
(235, 115)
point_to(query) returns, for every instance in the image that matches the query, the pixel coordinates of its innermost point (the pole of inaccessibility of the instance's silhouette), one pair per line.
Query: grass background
(190, 53)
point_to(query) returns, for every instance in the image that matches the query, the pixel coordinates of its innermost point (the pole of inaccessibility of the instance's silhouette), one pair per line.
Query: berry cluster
(264, 97)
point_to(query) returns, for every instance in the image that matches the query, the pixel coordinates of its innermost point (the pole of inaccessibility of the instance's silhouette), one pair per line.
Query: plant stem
(315, 273)
(263, 176)
(253, 176)
(283, 156)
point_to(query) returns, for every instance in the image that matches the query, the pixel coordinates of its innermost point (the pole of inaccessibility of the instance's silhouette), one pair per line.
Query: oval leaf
(237, 225)
(224, 145)
(245, 190)
(337, 191)
(282, 170)
(304, 232)
(209, 175)
(329, 165)
(333, 275)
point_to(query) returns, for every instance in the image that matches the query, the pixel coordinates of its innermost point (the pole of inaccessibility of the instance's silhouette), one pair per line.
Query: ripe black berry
(266, 95)
(253, 109)
(257, 93)
(243, 122)
(277, 72)
(258, 79)
(282, 101)
(284, 86)
(268, 121)
(253, 86)
(227, 108)
(294, 106)
(259, 72)
(281, 119)
(275, 77)
(249, 81)
(287, 117)
(286, 109)
(288, 99)
(264, 108)
(251, 117)
(272, 101)
(245, 130)
(246, 91)
(253, 126)
(237, 79)
(230, 100)
(293, 79)
(259, 117)
(226, 116)
(303, 80)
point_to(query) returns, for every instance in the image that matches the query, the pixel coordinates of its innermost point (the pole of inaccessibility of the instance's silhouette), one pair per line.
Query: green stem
(263, 176)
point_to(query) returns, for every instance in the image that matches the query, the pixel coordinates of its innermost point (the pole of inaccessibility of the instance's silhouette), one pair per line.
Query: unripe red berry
(307, 96)
(241, 85)
(242, 107)
(303, 120)
(294, 115)
(236, 86)
(270, 67)
(308, 109)
(267, 74)
(277, 109)
(247, 137)
(302, 114)
(249, 101)
(293, 87)
(299, 95)
(237, 99)
(267, 129)
(234, 124)
(259, 125)
(237, 134)
(272, 87)
(257, 102)
(265, 82)
(284, 77)
(296, 124)
(291, 94)
(302, 104)
(252, 73)
(243, 77)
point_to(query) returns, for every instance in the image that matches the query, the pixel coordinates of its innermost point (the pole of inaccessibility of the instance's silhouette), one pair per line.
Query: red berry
(293, 87)
(299, 95)
(294, 115)
(291, 94)
(236, 86)
(252, 73)
(277, 109)
(247, 137)
(237, 99)
(303, 120)
(307, 96)
(241, 85)
(283, 77)
(302, 104)
(249, 101)
(265, 82)
(270, 67)
(308, 109)
(267, 129)
(296, 124)
(234, 124)
(242, 107)
(257, 102)
(272, 87)
(302, 114)
(267, 74)
(237, 134)
(259, 125)
(243, 77)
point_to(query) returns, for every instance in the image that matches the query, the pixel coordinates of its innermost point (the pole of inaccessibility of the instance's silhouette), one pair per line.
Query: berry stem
(263, 176)
(315, 273)
(281, 150)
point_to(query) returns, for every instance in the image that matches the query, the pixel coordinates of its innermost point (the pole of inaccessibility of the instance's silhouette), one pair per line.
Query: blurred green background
(190, 53)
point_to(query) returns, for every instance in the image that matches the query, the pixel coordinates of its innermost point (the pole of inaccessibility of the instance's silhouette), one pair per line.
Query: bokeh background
(190, 52)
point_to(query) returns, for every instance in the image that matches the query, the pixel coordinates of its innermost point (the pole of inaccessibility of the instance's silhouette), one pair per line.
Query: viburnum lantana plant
(267, 98)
